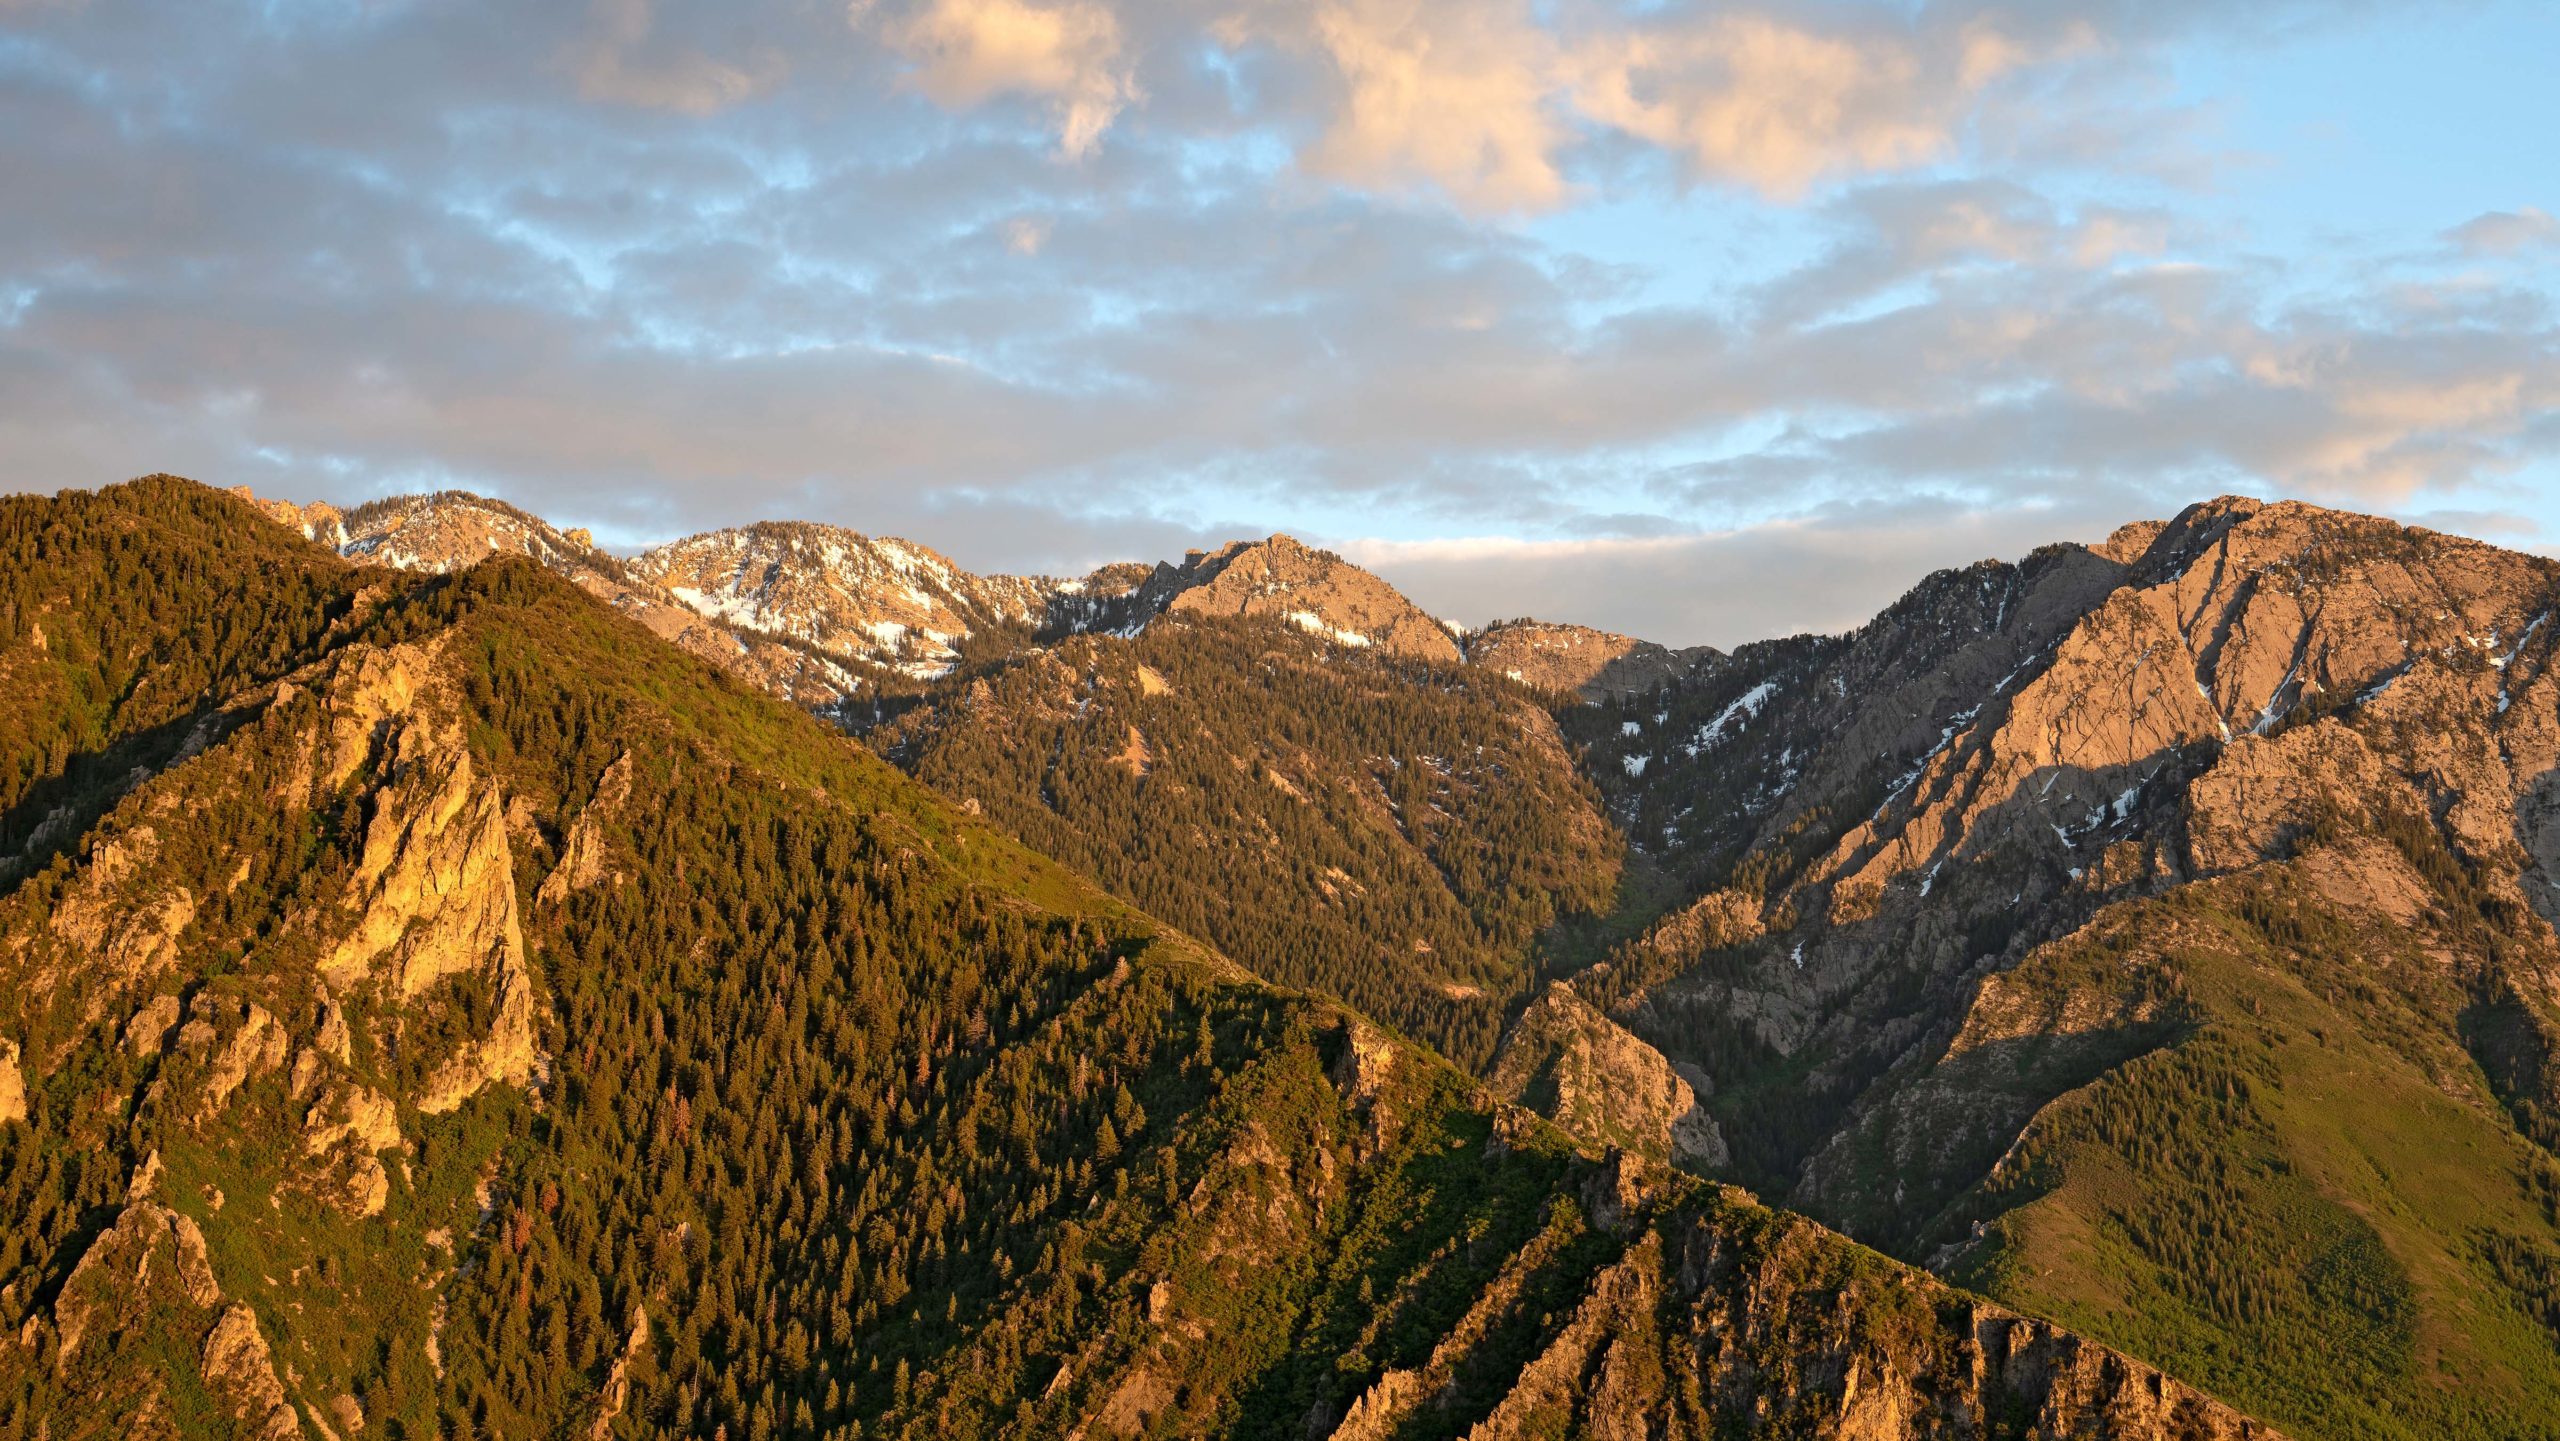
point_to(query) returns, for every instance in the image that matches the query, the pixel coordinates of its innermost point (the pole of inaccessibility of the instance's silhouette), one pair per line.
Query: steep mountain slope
(2157, 934)
(488, 1020)
(1330, 816)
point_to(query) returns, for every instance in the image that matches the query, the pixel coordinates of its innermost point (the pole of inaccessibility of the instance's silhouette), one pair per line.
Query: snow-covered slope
(450, 530)
(826, 616)
(886, 601)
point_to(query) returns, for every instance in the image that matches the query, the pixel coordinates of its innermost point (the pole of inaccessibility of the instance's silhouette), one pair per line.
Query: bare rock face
(434, 891)
(148, 1243)
(433, 882)
(238, 1365)
(354, 1124)
(13, 1085)
(1570, 1063)
(1572, 659)
(117, 916)
(1365, 1071)
(148, 1031)
(1315, 590)
(883, 601)
(319, 521)
(582, 849)
(617, 1383)
(234, 1041)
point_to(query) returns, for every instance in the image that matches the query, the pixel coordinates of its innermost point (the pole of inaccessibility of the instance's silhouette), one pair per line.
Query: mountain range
(461, 982)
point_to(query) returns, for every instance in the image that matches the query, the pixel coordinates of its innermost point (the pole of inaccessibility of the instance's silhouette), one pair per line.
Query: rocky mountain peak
(453, 530)
(883, 601)
(1315, 590)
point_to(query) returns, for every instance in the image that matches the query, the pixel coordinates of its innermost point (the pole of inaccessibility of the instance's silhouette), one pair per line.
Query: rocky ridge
(1568, 1062)
(1315, 590)
(1989, 868)
(1596, 665)
(886, 602)
(819, 614)
(450, 530)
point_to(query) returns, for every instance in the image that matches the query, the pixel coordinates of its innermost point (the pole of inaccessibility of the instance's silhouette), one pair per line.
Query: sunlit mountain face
(1378, 719)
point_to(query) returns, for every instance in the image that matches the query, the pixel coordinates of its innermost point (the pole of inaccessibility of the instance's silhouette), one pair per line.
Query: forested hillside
(1394, 833)
(443, 1008)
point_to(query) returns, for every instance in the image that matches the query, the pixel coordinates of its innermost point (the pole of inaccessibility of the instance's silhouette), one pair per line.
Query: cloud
(1777, 106)
(968, 51)
(2507, 232)
(1452, 94)
(398, 247)
(614, 64)
(1493, 103)
(1826, 570)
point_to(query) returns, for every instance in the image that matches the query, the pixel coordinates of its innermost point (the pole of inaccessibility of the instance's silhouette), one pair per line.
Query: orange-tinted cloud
(1069, 54)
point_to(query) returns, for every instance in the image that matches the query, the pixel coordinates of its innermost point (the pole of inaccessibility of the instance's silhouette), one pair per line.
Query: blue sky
(1704, 321)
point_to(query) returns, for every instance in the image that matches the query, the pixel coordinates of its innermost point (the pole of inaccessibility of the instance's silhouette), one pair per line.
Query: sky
(1699, 321)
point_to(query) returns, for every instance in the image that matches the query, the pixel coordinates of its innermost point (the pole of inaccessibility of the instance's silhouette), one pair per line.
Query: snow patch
(1746, 706)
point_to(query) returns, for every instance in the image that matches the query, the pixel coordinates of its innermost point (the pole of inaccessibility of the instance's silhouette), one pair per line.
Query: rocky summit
(460, 982)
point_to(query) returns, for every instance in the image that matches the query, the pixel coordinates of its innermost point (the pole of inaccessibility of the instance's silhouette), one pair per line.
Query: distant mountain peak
(1560, 658)
(1316, 590)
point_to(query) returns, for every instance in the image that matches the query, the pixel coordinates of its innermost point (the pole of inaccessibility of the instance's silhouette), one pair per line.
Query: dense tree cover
(126, 616)
(1396, 835)
(883, 1123)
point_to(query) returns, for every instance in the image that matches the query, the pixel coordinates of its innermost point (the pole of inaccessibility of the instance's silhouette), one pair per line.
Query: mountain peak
(1315, 590)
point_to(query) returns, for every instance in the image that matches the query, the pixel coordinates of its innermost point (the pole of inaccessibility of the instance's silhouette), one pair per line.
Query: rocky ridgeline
(450, 530)
(2127, 830)
(822, 615)
(2027, 741)
(1568, 1062)
(884, 602)
(1595, 665)
(1315, 590)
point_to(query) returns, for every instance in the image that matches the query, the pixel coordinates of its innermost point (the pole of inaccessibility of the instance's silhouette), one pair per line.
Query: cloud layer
(1691, 306)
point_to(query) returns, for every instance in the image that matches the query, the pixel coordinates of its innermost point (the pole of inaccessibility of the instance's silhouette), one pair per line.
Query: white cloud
(1777, 106)
(1069, 54)
(1452, 94)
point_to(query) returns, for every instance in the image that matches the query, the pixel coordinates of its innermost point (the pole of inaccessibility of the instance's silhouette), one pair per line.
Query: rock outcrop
(146, 1287)
(13, 1085)
(434, 888)
(582, 849)
(1568, 1062)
